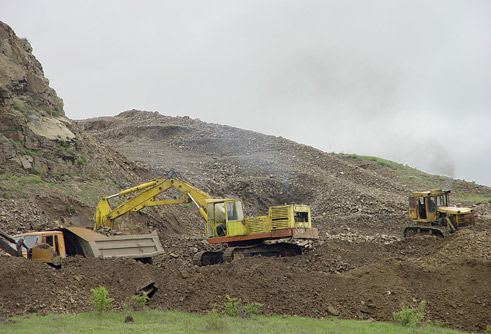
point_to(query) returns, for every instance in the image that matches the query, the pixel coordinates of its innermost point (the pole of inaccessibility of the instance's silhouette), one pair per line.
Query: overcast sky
(408, 81)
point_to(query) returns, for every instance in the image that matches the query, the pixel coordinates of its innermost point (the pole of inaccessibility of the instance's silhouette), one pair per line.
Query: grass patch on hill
(19, 186)
(153, 321)
(461, 190)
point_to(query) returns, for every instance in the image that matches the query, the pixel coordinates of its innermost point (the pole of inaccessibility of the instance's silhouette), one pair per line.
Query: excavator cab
(225, 218)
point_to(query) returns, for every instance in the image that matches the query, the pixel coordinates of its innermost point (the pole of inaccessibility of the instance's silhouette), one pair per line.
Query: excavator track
(230, 254)
(208, 258)
(279, 249)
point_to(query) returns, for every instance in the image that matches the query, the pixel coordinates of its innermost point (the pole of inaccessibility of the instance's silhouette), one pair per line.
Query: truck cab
(45, 246)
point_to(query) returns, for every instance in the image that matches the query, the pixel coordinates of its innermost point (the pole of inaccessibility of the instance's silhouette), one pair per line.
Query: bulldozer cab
(225, 217)
(423, 205)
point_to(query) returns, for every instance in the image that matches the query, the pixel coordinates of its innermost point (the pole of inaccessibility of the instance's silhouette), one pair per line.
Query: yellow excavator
(224, 218)
(432, 214)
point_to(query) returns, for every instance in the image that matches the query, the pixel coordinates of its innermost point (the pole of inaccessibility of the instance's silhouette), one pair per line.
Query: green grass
(152, 321)
(380, 161)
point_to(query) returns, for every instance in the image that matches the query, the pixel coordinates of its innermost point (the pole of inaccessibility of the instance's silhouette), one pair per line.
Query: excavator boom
(105, 216)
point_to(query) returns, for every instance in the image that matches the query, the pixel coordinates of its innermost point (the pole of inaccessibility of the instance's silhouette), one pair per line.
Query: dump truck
(432, 214)
(53, 245)
(225, 222)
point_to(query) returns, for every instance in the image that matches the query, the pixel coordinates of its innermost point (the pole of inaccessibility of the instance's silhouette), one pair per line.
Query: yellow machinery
(432, 214)
(224, 219)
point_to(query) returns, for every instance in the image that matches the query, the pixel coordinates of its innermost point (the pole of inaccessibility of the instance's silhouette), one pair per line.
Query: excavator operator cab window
(219, 212)
(234, 211)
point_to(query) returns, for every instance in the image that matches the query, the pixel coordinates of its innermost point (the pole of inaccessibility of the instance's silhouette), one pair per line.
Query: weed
(139, 301)
(408, 316)
(69, 209)
(30, 179)
(99, 299)
(382, 163)
(234, 307)
(54, 114)
(81, 160)
(16, 143)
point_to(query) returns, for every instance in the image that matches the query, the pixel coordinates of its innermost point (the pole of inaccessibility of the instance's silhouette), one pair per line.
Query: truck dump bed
(88, 243)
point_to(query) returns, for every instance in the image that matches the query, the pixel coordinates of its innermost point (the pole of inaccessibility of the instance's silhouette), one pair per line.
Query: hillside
(365, 195)
(53, 171)
(50, 172)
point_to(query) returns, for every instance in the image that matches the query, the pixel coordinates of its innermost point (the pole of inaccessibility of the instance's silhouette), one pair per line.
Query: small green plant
(30, 179)
(69, 209)
(16, 143)
(408, 316)
(54, 114)
(81, 160)
(139, 301)
(488, 329)
(234, 307)
(382, 163)
(99, 299)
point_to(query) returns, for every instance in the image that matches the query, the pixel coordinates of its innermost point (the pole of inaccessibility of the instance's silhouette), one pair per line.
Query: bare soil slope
(345, 192)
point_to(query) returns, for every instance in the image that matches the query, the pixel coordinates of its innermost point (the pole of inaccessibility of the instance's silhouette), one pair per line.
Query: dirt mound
(356, 280)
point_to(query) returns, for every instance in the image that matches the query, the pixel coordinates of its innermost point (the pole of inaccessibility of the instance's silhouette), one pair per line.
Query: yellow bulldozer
(224, 219)
(432, 214)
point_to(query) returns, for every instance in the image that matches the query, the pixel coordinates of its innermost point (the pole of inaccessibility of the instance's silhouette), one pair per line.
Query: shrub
(139, 301)
(408, 316)
(234, 307)
(16, 143)
(99, 299)
(81, 160)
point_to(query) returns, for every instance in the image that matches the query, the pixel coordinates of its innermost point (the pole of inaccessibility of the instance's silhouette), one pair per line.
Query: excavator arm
(105, 216)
